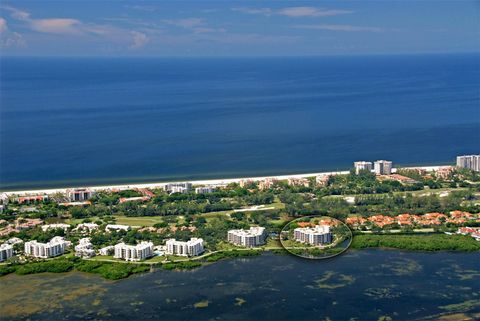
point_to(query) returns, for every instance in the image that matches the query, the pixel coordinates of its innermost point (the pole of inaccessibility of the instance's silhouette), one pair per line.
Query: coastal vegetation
(108, 270)
(232, 254)
(52, 266)
(184, 265)
(430, 242)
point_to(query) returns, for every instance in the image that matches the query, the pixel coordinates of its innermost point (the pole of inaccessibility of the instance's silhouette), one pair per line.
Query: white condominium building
(254, 236)
(55, 247)
(362, 165)
(62, 226)
(6, 252)
(469, 161)
(193, 247)
(320, 234)
(84, 248)
(137, 252)
(383, 167)
(178, 188)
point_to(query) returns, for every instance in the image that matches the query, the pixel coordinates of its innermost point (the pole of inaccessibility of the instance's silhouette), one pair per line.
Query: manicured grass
(214, 214)
(277, 205)
(124, 220)
(155, 259)
(139, 221)
(103, 257)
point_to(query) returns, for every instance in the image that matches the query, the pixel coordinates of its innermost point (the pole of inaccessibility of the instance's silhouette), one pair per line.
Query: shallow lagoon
(359, 285)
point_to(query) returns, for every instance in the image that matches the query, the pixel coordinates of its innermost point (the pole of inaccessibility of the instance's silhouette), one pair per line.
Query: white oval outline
(316, 258)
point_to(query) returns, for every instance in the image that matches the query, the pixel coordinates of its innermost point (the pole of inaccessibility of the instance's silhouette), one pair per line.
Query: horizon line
(249, 56)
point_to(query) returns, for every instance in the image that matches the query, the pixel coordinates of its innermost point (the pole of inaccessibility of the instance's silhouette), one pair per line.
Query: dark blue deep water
(69, 121)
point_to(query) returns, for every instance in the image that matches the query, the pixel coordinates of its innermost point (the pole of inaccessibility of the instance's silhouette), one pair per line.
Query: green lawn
(139, 221)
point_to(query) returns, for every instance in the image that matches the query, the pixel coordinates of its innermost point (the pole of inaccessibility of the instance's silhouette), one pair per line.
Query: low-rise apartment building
(86, 227)
(27, 199)
(62, 226)
(293, 181)
(267, 183)
(205, 189)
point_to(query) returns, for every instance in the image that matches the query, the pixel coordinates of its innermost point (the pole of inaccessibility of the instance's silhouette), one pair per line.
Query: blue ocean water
(79, 121)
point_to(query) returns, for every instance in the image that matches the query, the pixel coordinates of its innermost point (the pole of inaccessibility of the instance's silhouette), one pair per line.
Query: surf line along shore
(219, 181)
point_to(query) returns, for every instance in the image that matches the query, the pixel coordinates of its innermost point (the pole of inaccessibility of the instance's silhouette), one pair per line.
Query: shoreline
(191, 263)
(217, 181)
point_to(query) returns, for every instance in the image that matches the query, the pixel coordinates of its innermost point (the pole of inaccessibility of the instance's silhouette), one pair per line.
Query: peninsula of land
(116, 231)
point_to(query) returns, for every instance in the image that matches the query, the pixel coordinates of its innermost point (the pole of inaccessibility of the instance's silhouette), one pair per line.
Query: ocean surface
(359, 285)
(89, 121)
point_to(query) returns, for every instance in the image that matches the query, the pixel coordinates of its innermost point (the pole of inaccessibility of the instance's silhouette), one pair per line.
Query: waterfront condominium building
(362, 165)
(254, 236)
(6, 252)
(84, 248)
(383, 167)
(79, 194)
(193, 247)
(55, 247)
(469, 161)
(137, 252)
(317, 235)
(183, 188)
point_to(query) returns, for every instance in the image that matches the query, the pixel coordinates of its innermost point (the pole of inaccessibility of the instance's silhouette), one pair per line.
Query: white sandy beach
(220, 181)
